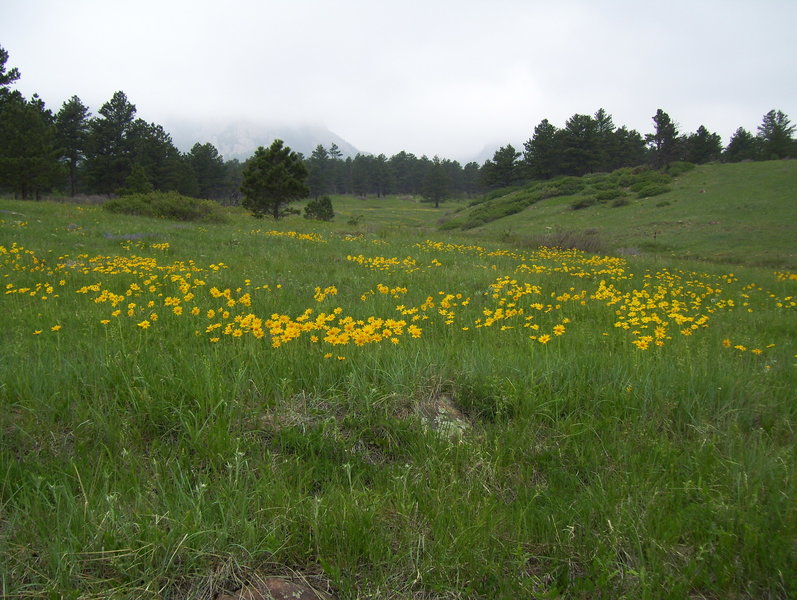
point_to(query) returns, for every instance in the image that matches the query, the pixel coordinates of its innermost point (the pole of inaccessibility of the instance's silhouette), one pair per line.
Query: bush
(679, 168)
(583, 203)
(167, 205)
(319, 209)
(647, 178)
(652, 189)
(609, 194)
(588, 240)
(570, 186)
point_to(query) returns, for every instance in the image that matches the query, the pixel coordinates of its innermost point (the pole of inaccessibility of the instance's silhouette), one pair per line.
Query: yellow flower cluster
(535, 300)
(380, 263)
(384, 290)
(308, 237)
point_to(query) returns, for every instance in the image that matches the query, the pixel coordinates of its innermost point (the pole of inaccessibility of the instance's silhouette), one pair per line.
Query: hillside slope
(736, 213)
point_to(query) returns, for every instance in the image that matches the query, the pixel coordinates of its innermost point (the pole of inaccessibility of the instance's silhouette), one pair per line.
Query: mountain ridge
(240, 138)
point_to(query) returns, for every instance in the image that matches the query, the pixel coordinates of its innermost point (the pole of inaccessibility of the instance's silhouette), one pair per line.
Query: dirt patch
(439, 414)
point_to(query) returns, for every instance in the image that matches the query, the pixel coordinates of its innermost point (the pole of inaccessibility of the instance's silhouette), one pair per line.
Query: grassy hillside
(738, 213)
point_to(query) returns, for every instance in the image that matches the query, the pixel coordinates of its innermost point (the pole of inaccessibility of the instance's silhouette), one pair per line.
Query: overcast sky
(434, 77)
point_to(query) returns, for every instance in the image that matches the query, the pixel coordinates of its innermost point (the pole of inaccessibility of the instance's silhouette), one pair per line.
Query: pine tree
(543, 152)
(209, 170)
(664, 142)
(109, 156)
(775, 134)
(72, 130)
(28, 153)
(436, 182)
(703, 146)
(272, 179)
(743, 145)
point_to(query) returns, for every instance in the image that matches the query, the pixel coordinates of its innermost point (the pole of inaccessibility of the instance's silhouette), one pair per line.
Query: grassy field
(743, 213)
(383, 411)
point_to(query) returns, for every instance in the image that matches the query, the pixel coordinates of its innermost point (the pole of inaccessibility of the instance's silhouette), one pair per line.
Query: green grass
(740, 213)
(155, 462)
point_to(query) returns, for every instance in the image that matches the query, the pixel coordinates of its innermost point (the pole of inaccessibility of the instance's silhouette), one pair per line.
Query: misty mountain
(240, 139)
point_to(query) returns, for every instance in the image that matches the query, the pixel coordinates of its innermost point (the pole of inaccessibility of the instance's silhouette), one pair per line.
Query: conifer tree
(272, 179)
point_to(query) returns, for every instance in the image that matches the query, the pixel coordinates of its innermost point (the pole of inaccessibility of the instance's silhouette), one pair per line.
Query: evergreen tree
(154, 151)
(703, 146)
(28, 153)
(72, 130)
(471, 178)
(579, 143)
(605, 140)
(435, 186)
(743, 145)
(319, 209)
(664, 141)
(209, 170)
(318, 170)
(775, 135)
(361, 173)
(628, 149)
(334, 152)
(272, 179)
(232, 181)
(381, 176)
(543, 152)
(109, 156)
(405, 168)
(137, 182)
(7, 77)
(503, 170)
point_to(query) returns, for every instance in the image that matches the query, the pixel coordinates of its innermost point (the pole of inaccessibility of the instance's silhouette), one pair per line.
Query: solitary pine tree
(272, 179)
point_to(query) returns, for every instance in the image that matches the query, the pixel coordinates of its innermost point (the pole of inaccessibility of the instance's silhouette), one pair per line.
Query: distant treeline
(113, 153)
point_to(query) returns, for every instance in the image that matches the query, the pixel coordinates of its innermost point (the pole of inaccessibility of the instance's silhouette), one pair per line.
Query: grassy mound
(167, 205)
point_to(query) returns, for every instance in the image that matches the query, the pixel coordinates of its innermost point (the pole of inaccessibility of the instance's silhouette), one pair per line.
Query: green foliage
(29, 164)
(136, 183)
(584, 203)
(167, 205)
(319, 209)
(678, 168)
(110, 146)
(775, 135)
(272, 179)
(652, 189)
(72, 130)
(608, 194)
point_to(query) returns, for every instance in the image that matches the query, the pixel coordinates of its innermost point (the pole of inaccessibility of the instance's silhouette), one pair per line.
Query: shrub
(319, 209)
(167, 205)
(587, 240)
(583, 203)
(679, 168)
(609, 194)
(647, 178)
(570, 186)
(652, 189)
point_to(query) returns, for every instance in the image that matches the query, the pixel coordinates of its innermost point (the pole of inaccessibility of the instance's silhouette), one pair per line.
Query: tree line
(114, 152)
